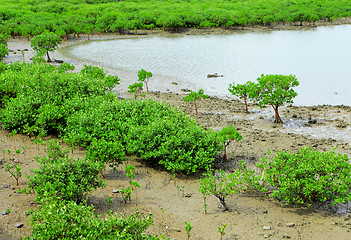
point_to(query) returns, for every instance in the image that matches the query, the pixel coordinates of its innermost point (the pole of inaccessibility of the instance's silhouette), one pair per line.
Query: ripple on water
(240, 58)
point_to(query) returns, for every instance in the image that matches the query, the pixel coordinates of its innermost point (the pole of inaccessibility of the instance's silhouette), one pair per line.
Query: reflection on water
(318, 57)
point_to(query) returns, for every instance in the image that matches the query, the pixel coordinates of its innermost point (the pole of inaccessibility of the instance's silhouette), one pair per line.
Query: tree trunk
(225, 153)
(246, 104)
(147, 87)
(102, 175)
(136, 198)
(277, 117)
(222, 200)
(49, 59)
(196, 108)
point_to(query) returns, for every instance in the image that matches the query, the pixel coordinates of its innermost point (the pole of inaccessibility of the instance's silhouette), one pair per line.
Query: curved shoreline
(249, 213)
(312, 90)
(163, 81)
(323, 119)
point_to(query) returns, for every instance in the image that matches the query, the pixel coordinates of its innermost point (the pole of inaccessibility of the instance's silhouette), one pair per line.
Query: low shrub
(221, 184)
(3, 51)
(68, 220)
(64, 178)
(157, 133)
(308, 176)
(78, 107)
(37, 98)
(228, 135)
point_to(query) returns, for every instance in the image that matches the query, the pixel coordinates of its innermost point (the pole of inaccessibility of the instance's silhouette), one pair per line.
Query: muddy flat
(173, 201)
(176, 200)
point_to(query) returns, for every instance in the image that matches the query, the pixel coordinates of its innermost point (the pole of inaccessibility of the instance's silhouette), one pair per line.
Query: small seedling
(14, 170)
(133, 184)
(221, 230)
(144, 77)
(175, 179)
(22, 55)
(13, 133)
(205, 193)
(163, 219)
(37, 142)
(195, 97)
(7, 211)
(72, 147)
(109, 200)
(130, 172)
(137, 89)
(181, 190)
(18, 152)
(126, 194)
(25, 153)
(188, 228)
(229, 134)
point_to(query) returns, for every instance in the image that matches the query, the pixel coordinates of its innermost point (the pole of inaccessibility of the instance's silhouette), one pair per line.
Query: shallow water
(318, 57)
(323, 130)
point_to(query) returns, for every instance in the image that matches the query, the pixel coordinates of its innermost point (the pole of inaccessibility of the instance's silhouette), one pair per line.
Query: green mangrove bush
(248, 91)
(228, 135)
(144, 77)
(69, 220)
(38, 98)
(79, 108)
(276, 90)
(308, 176)
(221, 184)
(45, 43)
(157, 133)
(273, 89)
(60, 177)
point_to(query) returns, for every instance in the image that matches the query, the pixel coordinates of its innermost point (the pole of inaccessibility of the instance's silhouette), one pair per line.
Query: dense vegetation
(67, 220)
(32, 17)
(61, 183)
(308, 176)
(78, 107)
(3, 47)
(61, 177)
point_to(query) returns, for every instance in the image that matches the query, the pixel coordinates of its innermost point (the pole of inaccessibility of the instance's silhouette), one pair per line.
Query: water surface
(320, 59)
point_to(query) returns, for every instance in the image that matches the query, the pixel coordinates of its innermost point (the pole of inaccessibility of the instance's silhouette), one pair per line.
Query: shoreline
(296, 120)
(122, 88)
(249, 213)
